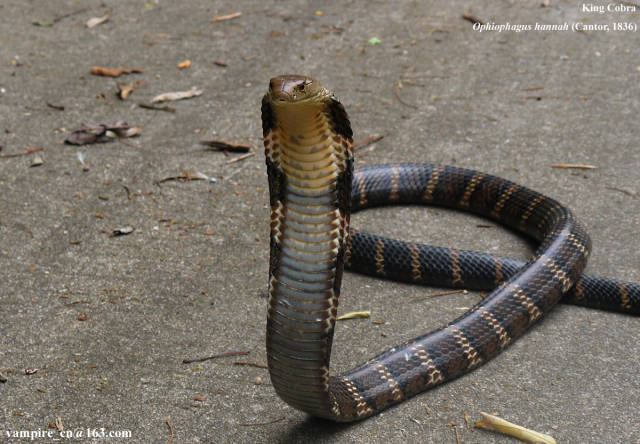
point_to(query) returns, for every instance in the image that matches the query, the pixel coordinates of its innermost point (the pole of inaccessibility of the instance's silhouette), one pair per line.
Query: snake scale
(313, 188)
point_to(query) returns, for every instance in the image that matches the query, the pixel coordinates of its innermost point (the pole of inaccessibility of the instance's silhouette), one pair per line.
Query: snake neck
(310, 172)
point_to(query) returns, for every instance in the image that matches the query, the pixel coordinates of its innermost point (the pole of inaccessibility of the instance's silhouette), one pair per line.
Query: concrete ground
(107, 320)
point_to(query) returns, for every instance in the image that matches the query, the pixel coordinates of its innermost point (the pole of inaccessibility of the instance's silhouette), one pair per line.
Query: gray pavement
(190, 280)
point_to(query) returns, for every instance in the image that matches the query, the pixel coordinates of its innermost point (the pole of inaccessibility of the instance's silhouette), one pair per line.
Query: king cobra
(312, 190)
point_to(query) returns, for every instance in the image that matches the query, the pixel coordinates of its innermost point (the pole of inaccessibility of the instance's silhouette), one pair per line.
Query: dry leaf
(133, 131)
(125, 90)
(179, 95)
(87, 134)
(44, 23)
(185, 64)
(472, 19)
(95, 21)
(114, 72)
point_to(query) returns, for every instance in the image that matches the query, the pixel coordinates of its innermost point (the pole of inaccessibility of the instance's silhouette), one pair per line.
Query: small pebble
(258, 380)
(122, 231)
(37, 161)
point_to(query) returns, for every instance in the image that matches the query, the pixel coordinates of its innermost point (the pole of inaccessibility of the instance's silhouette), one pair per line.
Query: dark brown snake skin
(313, 188)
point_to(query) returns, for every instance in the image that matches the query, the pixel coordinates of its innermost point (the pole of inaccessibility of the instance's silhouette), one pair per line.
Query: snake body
(313, 188)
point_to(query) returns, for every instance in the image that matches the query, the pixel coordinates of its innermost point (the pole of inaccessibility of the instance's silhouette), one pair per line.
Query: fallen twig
(237, 170)
(237, 159)
(222, 145)
(56, 107)
(573, 165)
(250, 364)
(441, 293)
(354, 315)
(114, 72)
(396, 91)
(540, 97)
(60, 17)
(625, 191)
(23, 153)
(184, 176)
(366, 142)
(263, 423)
(472, 19)
(454, 426)
(157, 108)
(168, 421)
(498, 424)
(177, 95)
(364, 151)
(533, 88)
(221, 355)
(220, 17)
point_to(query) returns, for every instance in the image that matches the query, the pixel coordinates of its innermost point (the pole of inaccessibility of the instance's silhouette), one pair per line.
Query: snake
(314, 188)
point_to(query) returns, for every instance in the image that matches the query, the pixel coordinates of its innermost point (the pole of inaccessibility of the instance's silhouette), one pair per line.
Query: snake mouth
(294, 88)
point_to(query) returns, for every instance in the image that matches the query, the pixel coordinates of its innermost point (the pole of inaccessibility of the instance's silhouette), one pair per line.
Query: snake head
(294, 88)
